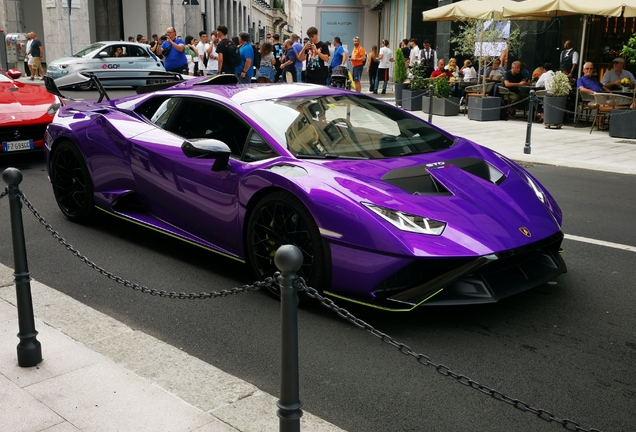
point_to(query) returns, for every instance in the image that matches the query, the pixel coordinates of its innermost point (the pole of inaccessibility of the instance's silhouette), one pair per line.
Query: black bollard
(526, 148)
(431, 93)
(288, 260)
(29, 348)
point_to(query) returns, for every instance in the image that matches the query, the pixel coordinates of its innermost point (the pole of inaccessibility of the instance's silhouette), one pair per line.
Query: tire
(279, 219)
(72, 185)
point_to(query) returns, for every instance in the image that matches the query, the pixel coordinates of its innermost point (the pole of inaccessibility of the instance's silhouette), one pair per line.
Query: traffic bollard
(29, 348)
(288, 260)
(527, 149)
(431, 93)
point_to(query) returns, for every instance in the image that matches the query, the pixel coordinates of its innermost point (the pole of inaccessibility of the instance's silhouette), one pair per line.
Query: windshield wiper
(328, 156)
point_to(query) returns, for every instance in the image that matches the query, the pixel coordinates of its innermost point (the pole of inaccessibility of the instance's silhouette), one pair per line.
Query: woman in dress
(372, 67)
(266, 70)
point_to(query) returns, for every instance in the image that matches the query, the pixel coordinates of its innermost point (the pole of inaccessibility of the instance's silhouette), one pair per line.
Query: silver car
(107, 59)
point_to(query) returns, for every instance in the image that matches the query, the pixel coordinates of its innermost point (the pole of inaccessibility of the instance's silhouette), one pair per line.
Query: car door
(138, 57)
(185, 191)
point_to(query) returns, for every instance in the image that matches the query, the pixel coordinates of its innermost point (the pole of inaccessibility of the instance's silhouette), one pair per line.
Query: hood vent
(418, 180)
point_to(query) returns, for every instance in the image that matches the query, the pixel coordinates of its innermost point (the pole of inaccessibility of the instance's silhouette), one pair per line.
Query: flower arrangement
(625, 82)
(559, 85)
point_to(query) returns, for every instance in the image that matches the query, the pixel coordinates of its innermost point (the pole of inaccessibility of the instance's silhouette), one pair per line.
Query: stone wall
(57, 31)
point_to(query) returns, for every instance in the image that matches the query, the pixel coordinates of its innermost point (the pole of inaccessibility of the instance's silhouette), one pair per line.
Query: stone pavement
(100, 375)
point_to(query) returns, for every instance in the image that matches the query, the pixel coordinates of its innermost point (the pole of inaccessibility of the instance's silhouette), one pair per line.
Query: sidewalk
(100, 375)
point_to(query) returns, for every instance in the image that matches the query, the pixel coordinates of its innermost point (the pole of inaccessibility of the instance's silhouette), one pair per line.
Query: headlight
(538, 192)
(408, 222)
(54, 107)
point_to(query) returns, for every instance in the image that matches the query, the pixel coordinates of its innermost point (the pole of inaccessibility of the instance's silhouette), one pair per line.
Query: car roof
(242, 93)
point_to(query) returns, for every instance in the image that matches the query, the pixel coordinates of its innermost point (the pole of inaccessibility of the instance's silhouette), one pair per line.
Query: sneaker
(32, 78)
(383, 91)
(375, 92)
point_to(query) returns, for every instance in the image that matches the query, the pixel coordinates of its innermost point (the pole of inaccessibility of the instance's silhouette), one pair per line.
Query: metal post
(29, 348)
(526, 148)
(431, 93)
(289, 259)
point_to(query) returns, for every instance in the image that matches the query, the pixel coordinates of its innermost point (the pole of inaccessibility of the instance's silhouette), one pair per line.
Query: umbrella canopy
(554, 8)
(475, 9)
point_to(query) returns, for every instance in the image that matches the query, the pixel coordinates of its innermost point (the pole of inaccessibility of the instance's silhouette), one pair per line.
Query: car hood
(486, 201)
(20, 102)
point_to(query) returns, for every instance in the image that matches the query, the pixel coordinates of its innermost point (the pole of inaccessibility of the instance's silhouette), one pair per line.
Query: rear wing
(155, 80)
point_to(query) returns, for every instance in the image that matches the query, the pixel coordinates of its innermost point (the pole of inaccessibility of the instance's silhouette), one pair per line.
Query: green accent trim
(128, 219)
(381, 307)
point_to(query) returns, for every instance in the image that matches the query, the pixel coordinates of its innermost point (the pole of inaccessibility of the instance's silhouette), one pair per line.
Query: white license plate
(17, 145)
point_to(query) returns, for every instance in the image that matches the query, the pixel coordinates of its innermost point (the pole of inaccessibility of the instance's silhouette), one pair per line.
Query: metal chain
(6, 192)
(622, 111)
(487, 109)
(443, 370)
(152, 291)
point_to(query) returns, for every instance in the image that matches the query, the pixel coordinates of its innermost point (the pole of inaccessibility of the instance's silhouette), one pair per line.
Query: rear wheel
(71, 181)
(280, 219)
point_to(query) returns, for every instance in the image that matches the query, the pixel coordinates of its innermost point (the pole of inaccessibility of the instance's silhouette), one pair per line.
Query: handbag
(166, 51)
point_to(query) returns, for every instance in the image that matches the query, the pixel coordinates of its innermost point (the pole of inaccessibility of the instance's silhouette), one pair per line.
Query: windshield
(348, 126)
(89, 49)
(4, 78)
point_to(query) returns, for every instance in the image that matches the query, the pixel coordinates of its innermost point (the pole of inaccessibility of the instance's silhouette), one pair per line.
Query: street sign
(269, 35)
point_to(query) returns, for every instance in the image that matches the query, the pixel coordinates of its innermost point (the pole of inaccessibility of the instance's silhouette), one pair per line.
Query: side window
(257, 149)
(200, 118)
(163, 114)
(137, 51)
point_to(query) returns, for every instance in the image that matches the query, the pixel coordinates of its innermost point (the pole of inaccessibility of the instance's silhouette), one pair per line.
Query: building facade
(63, 33)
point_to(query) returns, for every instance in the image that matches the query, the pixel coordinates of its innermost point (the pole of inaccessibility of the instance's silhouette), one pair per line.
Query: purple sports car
(388, 210)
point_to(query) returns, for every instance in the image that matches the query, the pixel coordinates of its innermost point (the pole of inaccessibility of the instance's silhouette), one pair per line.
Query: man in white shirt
(414, 57)
(386, 57)
(546, 77)
(202, 48)
(213, 59)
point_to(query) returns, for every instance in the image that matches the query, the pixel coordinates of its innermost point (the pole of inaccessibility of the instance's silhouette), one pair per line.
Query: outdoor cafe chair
(605, 103)
(586, 105)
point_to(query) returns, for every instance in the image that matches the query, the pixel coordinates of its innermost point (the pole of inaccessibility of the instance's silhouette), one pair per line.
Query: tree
(485, 39)
(399, 71)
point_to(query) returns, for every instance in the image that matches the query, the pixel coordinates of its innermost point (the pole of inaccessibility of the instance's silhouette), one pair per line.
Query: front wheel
(280, 219)
(71, 181)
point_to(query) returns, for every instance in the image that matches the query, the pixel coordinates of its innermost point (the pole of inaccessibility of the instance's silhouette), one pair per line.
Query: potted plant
(555, 100)
(399, 75)
(486, 40)
(442, 102)
(412, 97)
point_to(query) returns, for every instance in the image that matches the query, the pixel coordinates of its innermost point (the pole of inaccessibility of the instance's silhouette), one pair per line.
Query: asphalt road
(568, 347)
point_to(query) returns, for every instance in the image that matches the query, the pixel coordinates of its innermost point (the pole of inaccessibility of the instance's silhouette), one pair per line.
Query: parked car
(25, 112)
(108, 59)
(388, 210)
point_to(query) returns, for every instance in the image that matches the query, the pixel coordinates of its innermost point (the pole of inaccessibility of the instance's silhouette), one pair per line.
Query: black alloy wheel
(280, 219)
(71, 181)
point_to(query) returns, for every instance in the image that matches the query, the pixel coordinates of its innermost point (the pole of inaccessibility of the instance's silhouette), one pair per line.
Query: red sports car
(25, 112)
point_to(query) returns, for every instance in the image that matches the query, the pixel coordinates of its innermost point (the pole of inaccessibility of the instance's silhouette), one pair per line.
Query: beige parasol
(475, 9)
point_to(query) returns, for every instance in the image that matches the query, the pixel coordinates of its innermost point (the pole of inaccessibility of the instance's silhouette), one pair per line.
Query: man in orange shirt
(358, 59)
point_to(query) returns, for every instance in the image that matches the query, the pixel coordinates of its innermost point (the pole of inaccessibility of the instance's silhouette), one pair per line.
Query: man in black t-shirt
(225, 66)
(279, 52)
(317, 55)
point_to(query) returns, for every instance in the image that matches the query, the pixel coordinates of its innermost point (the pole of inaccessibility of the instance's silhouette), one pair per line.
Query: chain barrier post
(526, 148)
(29, 348)
(431, 93)
(289, 259)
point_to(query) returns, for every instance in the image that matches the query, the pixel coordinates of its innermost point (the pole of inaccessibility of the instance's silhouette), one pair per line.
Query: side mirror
(102, 54)
(14, 73)
(208, 149)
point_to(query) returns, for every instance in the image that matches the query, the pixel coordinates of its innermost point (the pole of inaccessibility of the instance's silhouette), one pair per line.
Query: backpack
(233, 55)
(364, 62)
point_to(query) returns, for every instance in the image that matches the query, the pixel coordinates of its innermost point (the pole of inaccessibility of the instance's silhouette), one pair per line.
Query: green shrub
(418, 81)
(399, 71)
(442, 88)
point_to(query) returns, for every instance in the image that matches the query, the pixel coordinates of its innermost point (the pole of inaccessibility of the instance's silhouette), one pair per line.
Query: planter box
(483, 108)
(441, 106)
(399, 87)
(412, 100)
(554, 109)
(622, 124)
